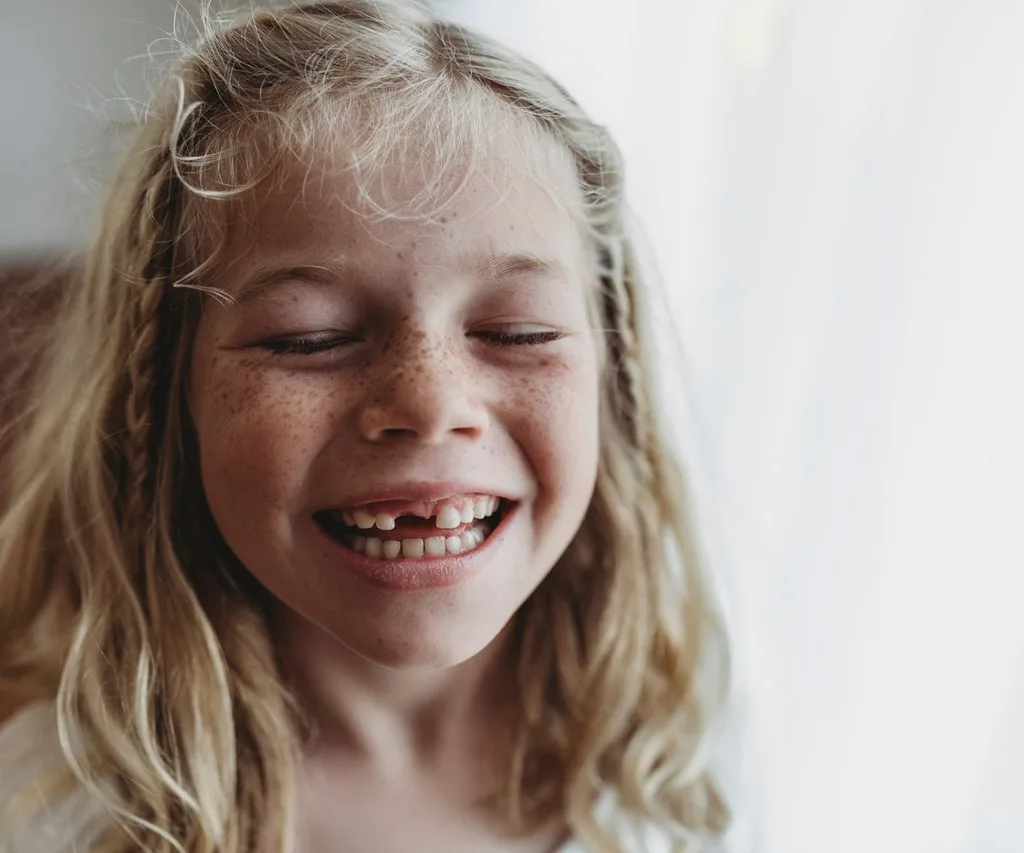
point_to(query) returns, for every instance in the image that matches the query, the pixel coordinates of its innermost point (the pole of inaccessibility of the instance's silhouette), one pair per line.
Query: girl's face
(382, 388)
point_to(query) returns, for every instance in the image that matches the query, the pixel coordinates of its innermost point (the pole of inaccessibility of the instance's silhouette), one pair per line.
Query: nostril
(430, 425)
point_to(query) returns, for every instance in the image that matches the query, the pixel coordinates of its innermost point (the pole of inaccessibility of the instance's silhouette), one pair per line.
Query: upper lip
(417, 492)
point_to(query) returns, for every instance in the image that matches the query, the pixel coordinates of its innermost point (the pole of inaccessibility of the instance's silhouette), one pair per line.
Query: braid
(138, 410)
(146, 368)
(626, 359)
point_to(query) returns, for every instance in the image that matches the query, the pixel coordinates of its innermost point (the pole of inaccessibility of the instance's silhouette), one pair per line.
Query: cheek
(258, 431)
(556, 412)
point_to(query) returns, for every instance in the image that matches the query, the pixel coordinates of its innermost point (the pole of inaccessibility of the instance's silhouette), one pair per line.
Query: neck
(396, 720)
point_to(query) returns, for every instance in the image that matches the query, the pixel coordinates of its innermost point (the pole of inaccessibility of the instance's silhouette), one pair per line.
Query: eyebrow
(493, 267)
(497, 266)
(268, 280)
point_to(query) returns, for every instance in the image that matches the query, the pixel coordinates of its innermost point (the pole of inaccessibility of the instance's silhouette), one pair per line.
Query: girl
(341, 518)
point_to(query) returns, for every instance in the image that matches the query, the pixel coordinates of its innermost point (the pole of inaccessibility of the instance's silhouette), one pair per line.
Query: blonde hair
(119, 598)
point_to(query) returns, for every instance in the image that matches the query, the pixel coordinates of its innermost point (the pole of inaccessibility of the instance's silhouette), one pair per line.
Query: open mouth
(453, 531)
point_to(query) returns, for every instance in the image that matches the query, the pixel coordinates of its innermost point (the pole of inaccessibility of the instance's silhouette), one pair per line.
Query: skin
(405, 686)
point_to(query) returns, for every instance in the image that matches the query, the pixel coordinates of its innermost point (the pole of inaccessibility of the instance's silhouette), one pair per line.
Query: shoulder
(65, 821)
(28, 745)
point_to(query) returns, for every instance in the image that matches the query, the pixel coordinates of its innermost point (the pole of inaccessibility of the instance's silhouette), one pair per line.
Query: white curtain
(833, 192)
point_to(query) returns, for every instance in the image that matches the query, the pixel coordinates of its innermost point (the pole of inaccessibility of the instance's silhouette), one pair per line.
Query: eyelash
(303, 346)
(314, 344)
(508, 339)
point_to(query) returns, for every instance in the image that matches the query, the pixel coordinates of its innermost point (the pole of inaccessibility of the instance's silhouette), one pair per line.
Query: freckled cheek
(553, 416)
(260, 434)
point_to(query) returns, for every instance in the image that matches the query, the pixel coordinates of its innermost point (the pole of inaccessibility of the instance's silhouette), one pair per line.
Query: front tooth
(453, 544)
(374, 547)
(434, 546)
(412, 547)
(385, 521)
(480, 506)
(363, 520)
(392, 548)
(466, 516)
(448, 518)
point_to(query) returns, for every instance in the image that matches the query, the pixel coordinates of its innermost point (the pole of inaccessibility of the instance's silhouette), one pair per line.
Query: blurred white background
(832, 191)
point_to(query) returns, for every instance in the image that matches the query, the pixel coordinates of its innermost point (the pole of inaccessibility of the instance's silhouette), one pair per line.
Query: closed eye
(308, 345)
(505, 339)
(312, 344)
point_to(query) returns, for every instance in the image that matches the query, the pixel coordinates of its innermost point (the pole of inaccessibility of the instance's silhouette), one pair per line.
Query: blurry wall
(58, 60)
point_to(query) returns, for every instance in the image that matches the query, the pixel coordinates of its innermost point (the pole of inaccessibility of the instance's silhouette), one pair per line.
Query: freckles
(248, 400)
(560, 392)
(538, 405)
(263, 431)
(552, 375)
(352, 386)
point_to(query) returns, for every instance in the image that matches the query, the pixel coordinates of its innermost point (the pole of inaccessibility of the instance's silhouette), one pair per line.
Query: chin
(413, 647)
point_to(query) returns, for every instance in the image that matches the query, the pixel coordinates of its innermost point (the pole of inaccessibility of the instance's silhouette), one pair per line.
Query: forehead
(425, 204)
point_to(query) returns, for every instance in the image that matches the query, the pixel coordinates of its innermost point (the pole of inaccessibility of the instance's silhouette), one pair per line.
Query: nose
(422, 389)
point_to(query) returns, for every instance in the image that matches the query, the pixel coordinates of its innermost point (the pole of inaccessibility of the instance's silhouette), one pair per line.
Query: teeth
(448, 518)
(363, 520)
(432, 546)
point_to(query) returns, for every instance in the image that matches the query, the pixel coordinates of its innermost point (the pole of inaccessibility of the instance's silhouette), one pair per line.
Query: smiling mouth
(413, 537)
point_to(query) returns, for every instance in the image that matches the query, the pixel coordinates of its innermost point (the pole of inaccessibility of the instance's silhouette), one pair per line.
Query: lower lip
(422, 572)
